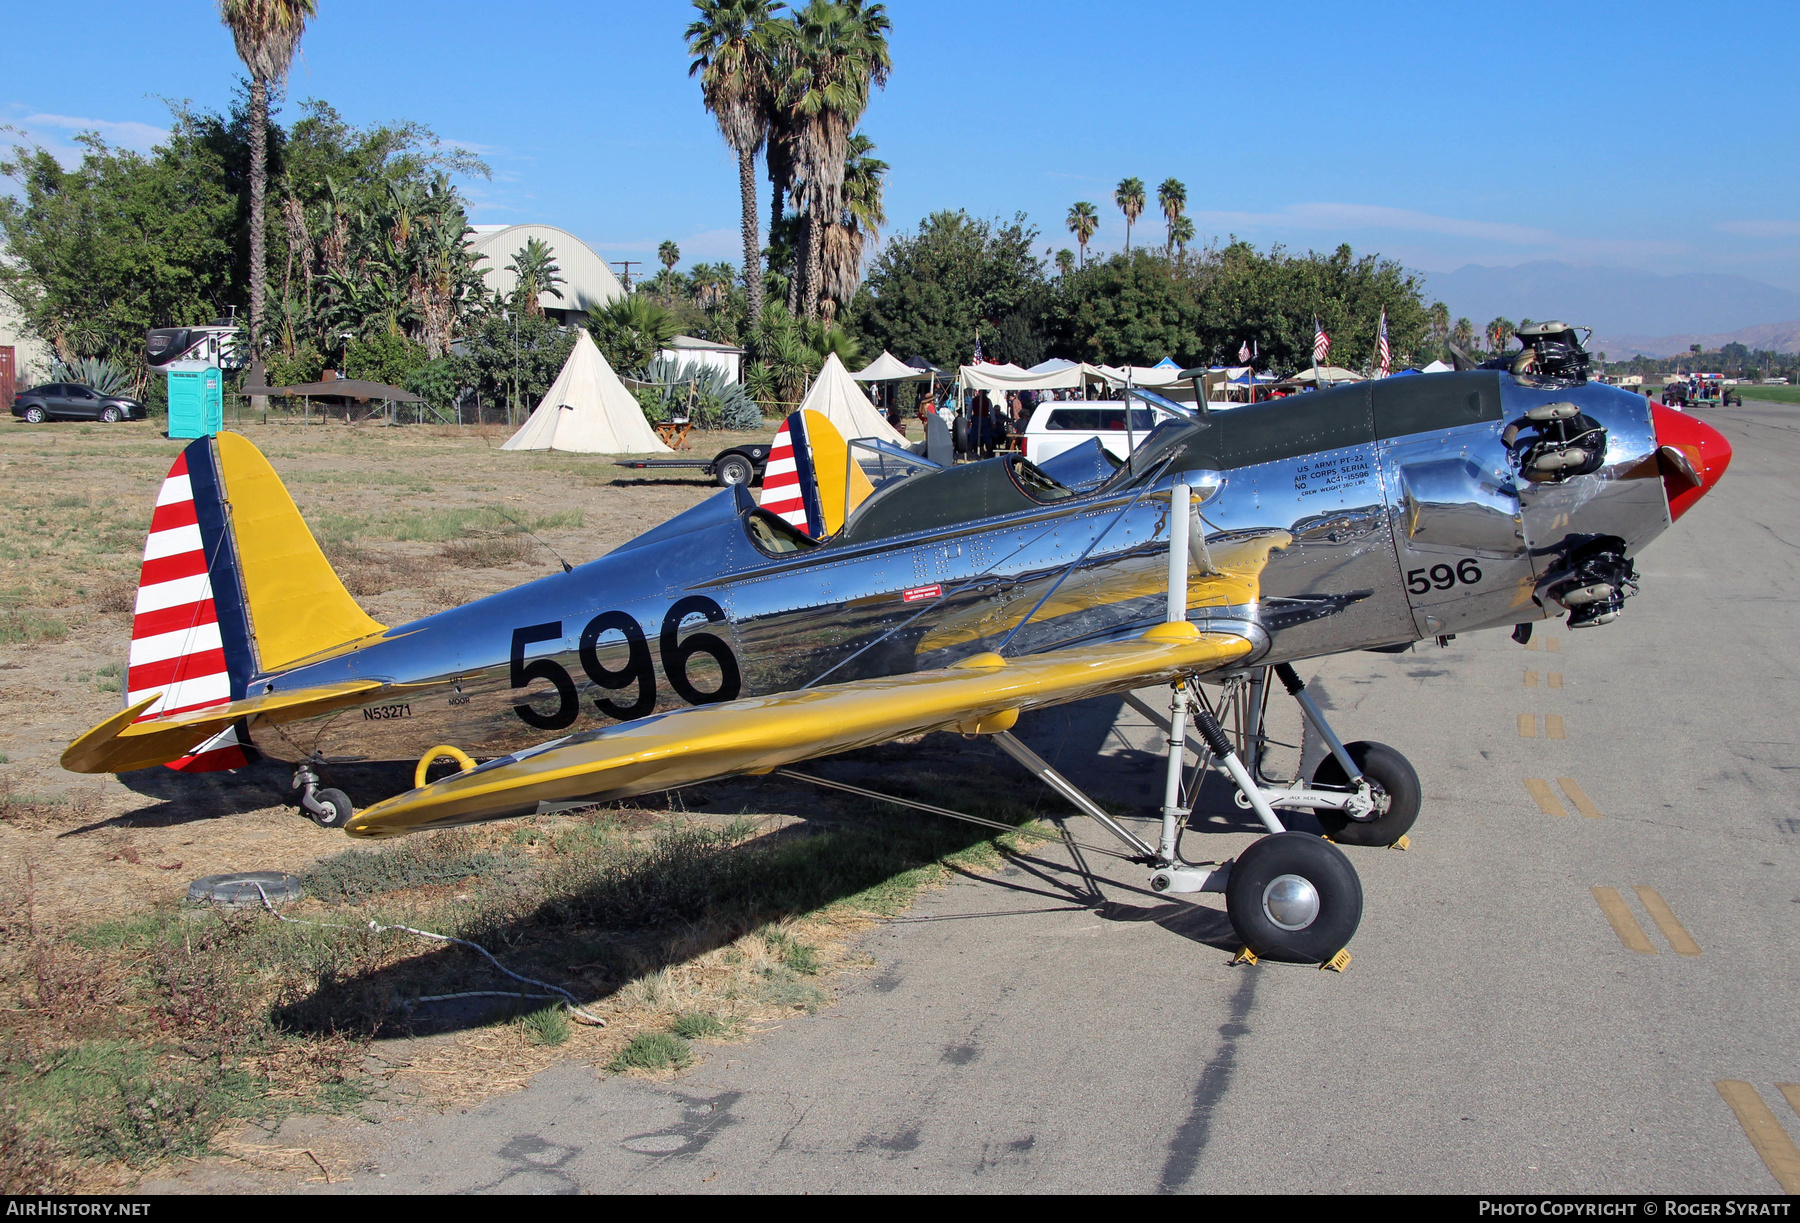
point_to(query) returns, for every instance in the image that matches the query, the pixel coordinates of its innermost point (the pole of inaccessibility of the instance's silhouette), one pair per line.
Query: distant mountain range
(1630, 311)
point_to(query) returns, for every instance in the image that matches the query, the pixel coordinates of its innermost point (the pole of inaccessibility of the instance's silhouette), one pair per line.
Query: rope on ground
(568, 998)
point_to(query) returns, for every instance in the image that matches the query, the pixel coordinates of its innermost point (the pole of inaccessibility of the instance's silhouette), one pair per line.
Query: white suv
(1059, 425)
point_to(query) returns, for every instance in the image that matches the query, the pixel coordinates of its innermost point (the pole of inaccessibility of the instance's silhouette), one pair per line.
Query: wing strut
(1069, 790)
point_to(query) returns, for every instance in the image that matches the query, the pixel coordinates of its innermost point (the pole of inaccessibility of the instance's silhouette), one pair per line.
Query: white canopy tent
(587, 411)
(1437, 367)
(1328, 375)
(836, 397)
(889, 368)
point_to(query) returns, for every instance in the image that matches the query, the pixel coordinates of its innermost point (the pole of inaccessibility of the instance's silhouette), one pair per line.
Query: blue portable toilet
(196, 402)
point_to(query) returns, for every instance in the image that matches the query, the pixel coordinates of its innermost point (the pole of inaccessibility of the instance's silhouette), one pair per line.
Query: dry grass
(132, 1042)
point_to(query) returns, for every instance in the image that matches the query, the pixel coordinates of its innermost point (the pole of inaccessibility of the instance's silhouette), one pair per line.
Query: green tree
(535, 273)
(1172, 195)
(834, 52)
(1181, 232)
(927, 291)
(1065, 261)
(1083, 220)
(514, 360)
(668, 254)
(383, 357)
(1499, 333)
(1462, 335)
(121, 243)
(853, 230)
(630, 330)
(1129, 196)
(733, 56)
(1127, 310)
(266, 33)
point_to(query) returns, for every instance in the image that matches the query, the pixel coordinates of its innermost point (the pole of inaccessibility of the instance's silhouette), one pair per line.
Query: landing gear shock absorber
(328, 808)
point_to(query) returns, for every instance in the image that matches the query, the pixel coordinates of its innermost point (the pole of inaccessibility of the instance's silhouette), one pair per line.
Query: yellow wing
(982, 694)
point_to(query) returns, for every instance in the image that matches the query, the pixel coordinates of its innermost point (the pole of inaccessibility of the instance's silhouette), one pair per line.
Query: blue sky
(1649, 135)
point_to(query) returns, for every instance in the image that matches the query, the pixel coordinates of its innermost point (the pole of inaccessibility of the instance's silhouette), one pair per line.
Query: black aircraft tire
(1320, 863)
(959, 434)
(734, 469)
(339, 804)
(1396, 784)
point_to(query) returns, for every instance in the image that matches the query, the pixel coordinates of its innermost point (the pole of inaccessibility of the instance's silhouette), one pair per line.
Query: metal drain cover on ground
(241, 889)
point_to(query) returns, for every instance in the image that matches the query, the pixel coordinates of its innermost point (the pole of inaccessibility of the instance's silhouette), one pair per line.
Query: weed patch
(549, 1026)
(30, 628)
(444, 857)
(490, 552)
(699, 1025)
(653, 1051)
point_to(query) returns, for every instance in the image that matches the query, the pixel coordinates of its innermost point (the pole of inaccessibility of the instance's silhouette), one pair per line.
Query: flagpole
(1315, 353)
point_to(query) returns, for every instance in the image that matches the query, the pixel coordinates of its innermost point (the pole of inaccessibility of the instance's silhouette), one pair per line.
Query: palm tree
(835, 51)
(629, 331)
(1083, 221)
(732, 55)
(1129, 196)
(267, 33)
(1181, 232)
(668, 254)
(1065, 261)
(534, 273)
(855, 229)
(1172, 195)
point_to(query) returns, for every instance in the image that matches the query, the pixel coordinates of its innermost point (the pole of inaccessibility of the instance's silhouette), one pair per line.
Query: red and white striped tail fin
(178, 646)
(783, 495)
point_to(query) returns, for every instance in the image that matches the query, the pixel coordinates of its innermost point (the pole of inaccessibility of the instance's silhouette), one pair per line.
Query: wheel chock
(1338, 962)
(1405, 842)
(1246, 956)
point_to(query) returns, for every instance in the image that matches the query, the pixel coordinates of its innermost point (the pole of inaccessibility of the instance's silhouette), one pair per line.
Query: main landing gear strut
(1290, 895)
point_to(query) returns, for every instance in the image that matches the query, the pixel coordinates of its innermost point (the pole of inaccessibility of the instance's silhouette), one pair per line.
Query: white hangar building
(587, 281)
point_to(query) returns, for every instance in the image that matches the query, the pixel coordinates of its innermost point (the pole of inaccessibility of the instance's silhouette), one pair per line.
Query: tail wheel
(1292, 896)
(1397, 795)
(334, 809)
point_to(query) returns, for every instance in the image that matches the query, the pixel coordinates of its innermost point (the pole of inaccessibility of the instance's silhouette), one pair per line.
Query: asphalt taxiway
(1583, 976)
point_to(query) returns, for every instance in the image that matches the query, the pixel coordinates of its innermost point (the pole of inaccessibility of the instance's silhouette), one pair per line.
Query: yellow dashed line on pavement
(1551, 644)
(1679, 939)
(1553, 726)
(1545, 796)
(1527, 726)
(1791, 1093)
(1531, 679)
(1579, 797)
(1772, 1143)
(1618, 916)
(1555, 679)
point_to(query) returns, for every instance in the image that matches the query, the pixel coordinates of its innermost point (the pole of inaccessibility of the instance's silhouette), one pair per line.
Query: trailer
(733, 465)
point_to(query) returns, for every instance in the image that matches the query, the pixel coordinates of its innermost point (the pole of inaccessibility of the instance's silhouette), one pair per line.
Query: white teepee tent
(587, 410)
(837, 398)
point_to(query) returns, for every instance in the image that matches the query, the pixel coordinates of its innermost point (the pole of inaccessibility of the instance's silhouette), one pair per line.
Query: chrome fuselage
(1409, 511)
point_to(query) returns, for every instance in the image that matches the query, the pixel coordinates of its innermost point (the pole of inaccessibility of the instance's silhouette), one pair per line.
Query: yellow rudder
(296, 604)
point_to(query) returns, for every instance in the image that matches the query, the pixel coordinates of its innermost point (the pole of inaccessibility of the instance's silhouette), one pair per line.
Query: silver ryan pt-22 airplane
(895, 597)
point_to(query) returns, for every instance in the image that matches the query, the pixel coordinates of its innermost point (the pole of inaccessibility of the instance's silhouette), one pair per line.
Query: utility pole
(625, 266)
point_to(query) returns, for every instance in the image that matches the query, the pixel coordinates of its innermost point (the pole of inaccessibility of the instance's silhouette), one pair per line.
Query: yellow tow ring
(440, 752)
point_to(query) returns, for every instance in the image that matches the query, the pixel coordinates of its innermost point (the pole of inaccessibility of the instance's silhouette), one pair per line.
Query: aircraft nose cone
(1693, 454)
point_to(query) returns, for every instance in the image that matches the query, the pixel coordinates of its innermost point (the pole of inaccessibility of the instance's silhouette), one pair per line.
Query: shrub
(709, 398)
(106, 377)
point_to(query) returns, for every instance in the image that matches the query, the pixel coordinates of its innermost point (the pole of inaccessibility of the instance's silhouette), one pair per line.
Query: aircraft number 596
(1443, 577)
(636, 673)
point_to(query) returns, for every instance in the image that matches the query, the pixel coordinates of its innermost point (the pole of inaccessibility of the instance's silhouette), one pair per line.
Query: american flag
(1321, 342)
(977, 358)
(1244, 353)
(1383, 357)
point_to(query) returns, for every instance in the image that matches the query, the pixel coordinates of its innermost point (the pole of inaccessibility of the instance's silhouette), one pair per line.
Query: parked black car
(71, 400)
